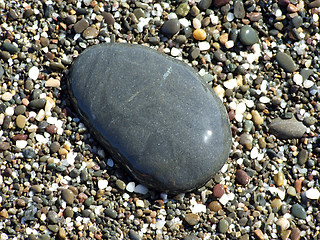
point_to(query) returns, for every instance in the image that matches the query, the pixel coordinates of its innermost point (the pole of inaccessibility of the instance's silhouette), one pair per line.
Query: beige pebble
(140, 203)
(219, 91)
(259, 234)
(21, 121)
(276, 203)
(196, 23)
(283, 223)
(257, 119)
(40, 116)
(279, 179)
(7, 96)
(52, 83)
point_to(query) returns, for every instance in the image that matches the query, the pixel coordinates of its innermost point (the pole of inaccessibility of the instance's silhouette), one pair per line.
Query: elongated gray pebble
(286, 62)
(287, 128)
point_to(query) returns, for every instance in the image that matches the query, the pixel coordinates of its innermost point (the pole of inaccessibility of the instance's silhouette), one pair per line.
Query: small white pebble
(34, 73)
(230, 84)
(254, 153)
(264, 99)
(139, 203)
(184, 22)
(229, 44)
(160, 224)
(6, 96)
(308, 83)
(214, 19)
(141, 189)
(297, 78)
(230, 16)
(21, 144)
(196, 23)
(172, 16)
(130, 186)
(204, 46)
(9, 111)
(313, 193)
(103, 184)
(175, 52)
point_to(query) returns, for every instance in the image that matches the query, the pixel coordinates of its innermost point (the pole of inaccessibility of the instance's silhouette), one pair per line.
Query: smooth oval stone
(248, 35)
(287, 128)
(154, 114)
(286, 62)
(171, 27)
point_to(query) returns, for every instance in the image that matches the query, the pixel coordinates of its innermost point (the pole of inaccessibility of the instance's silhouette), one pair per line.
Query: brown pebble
(295, 234)
(20, 202)
(218, 190)
(19, 137)
(81, 25)
(52, 129)
(62, 233)
(259, 234)
(108, 17)
(254, 16)
(242, 177)
(298, 185)
(215, 206)
(192, 219)
(292, 8)
(36, 188)
(90, 33)
(7, 172)
(223, 38)
(4, 146)
(256, 117)
(219, 3)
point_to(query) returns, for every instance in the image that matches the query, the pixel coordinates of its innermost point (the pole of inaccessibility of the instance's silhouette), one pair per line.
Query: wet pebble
(242, 177)
(286, 62)
(68, 196)
(218, 190)
(298, 211)
(248, 35)
(171, 27)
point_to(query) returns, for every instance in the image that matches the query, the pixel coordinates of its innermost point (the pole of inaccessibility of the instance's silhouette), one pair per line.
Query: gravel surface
(261, 57)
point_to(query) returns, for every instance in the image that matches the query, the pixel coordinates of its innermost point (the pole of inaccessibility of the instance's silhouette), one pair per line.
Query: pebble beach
(260, 57)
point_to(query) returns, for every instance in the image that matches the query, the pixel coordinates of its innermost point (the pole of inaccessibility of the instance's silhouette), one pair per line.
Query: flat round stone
(154, 114)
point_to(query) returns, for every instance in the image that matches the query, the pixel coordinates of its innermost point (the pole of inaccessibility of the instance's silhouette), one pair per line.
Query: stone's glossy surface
(170, 27)
(287, 128)
(248, 35)
(286, 62)
(153, 113)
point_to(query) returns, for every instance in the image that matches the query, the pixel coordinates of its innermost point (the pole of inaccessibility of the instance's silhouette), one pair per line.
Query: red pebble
(218, 190)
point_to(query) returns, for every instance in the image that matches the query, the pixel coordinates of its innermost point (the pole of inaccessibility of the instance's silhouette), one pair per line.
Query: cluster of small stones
(261, 57)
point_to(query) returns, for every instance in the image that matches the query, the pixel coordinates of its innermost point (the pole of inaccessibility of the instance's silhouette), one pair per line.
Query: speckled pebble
(192, 218)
